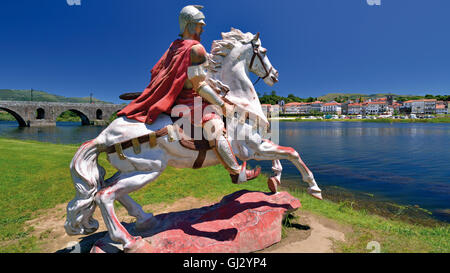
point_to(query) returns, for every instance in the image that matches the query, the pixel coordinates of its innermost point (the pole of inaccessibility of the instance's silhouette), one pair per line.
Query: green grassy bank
(34, 176)
(6, 116)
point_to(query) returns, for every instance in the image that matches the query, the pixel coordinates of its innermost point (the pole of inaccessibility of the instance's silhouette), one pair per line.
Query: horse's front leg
(275, 180)
(267, 150)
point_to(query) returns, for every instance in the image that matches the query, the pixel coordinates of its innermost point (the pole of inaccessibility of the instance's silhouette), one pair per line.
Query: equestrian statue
(199, 110)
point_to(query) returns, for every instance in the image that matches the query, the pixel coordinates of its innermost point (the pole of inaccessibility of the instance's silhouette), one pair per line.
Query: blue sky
(318, 46)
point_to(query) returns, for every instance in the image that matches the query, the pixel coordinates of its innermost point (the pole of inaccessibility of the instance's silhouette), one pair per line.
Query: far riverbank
(445, 119)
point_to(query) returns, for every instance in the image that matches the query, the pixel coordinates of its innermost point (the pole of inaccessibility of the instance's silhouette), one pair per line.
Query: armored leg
(214, 131)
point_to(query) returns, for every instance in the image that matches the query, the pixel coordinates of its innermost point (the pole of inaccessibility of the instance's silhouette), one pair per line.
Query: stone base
(242, 222)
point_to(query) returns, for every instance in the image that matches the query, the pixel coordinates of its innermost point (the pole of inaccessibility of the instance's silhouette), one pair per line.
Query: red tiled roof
(297, 103)
(293, 104)
(409, 101)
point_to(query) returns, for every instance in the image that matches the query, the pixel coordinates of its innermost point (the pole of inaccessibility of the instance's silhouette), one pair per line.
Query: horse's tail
(87, 176)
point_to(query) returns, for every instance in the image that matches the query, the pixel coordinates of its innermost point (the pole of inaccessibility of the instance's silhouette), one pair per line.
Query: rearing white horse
(230, 61)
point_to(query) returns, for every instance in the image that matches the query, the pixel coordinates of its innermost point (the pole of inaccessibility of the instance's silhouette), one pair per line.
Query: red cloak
(167, 80)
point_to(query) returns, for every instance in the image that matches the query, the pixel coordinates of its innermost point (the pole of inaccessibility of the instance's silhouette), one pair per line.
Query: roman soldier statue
(179, 78)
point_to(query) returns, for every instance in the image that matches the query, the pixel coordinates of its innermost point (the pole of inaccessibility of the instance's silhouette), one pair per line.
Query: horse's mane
(219, 50)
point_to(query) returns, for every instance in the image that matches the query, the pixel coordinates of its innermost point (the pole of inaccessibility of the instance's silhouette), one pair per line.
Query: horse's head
(230, 61)
(238, 48)
(259, 63)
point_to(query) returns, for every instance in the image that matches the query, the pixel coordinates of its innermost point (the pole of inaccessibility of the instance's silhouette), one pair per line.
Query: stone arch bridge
(37, 113)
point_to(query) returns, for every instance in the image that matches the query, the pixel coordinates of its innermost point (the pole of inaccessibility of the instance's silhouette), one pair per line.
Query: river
(406, 163)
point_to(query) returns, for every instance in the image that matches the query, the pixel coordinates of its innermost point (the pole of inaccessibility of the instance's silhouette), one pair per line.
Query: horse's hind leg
(143, 220)
(122, 185)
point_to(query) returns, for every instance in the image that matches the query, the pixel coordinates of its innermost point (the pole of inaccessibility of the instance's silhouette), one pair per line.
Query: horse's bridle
(256, 54)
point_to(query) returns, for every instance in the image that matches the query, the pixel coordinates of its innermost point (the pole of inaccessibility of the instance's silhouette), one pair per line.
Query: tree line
(273, 98)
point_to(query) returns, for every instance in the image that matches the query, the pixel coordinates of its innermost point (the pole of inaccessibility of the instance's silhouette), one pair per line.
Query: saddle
(202, 146)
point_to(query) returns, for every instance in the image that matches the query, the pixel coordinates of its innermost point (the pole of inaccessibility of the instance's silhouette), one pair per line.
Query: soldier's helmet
(190, 14)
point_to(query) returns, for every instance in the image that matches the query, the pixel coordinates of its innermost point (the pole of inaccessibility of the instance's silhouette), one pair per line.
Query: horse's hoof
(315, 193)
(139, 245)
(147, 224)
(273, 183)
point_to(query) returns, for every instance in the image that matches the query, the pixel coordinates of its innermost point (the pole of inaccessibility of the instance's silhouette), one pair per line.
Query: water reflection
(405, 163)
(63, 133)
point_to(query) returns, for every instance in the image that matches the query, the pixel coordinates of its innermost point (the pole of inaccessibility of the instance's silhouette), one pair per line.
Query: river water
(406, 163)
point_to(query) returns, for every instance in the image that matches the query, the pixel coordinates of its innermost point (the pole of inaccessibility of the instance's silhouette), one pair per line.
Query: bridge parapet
(41, 113)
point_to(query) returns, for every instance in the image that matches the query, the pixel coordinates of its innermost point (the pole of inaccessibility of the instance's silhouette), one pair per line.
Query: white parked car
(412, 116)
(385, 116)
(359, 117)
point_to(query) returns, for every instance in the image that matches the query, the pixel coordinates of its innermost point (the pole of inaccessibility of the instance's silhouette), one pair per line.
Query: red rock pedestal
(243, 221)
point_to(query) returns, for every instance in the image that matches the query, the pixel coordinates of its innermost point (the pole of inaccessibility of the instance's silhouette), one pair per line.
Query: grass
(393, 236)
(6, 116)
(35, 177)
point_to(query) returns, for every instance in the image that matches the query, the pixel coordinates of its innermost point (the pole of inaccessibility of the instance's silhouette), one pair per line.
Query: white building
(332, 108)
(269, 109)
(376, 108)
(292, 108)
(424, 106)
(316, 106)
(441, 108)
(355, 109)
(297, 108)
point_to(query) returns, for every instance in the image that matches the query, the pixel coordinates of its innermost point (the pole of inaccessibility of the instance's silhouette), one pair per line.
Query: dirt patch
(309, 233)
(306, 232)
(49, 226)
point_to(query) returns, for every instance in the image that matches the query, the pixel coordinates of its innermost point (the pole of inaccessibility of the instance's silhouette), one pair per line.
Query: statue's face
(198, 31)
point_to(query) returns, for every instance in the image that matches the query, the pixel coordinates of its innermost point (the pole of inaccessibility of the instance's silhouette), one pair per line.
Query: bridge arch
(20, 120)
(99, 114)
(84, 118)
(40, 113)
